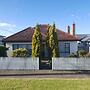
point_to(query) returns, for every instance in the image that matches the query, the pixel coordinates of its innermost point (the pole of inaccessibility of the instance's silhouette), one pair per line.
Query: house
(23, 39)
(1, 38)
(84, 43)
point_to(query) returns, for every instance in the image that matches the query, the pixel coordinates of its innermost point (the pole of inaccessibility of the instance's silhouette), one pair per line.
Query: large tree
(37, 42)
(53, 41)
(47, 42)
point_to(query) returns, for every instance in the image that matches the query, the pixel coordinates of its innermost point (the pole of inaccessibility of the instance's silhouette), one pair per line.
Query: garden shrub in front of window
(21, 52)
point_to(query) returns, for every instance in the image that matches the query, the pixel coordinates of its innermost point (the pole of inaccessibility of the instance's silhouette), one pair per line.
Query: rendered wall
(71, 64)
(19, 63)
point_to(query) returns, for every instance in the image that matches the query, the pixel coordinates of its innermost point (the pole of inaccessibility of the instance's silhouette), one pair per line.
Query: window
(64, 49)
(16, 46)
(27, 46)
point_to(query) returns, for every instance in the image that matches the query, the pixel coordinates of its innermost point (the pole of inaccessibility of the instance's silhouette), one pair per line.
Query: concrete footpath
(43, 74)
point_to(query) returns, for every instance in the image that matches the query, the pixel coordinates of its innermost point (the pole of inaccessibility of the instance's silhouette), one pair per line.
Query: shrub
(3, 52)
(88, 55)
(82, 53)
(37, 42)
(21, 52)
(53, 41)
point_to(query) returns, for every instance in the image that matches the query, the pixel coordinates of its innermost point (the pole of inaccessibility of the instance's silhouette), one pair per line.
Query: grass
(44, 84)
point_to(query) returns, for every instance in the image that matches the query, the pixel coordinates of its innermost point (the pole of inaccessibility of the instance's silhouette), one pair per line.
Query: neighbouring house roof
(26, 35)
(84, 37)
(2, 36)
(1, 39)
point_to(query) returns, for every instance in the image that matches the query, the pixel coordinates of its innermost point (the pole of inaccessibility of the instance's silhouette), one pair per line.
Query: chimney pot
(73, 29)
(68, 29)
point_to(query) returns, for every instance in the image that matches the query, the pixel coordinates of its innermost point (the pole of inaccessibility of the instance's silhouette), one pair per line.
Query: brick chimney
(68, 29)
(73, 29)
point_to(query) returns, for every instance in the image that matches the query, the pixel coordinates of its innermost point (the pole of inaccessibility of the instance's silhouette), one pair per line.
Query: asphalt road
(47, 76)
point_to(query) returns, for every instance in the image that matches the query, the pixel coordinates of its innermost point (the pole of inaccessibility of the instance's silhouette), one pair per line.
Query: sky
(16, 15)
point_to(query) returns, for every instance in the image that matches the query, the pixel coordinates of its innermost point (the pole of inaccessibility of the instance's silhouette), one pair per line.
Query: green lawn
(44, 84)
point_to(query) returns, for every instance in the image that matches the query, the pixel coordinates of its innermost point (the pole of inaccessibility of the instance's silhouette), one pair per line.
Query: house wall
(73, 47)
(10, 47)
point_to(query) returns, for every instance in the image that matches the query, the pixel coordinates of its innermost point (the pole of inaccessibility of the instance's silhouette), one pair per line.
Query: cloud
(7, 25)
(74, 16)
(7, 28)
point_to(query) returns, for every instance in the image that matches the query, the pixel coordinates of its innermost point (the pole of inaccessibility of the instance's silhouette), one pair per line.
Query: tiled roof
(26, 35)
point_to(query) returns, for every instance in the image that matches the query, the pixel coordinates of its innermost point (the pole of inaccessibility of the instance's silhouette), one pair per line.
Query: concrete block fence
(19, 63)
(71, 64)
(8, 63)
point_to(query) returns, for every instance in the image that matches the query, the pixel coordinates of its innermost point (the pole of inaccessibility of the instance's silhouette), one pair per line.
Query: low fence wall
(19, 63)
(71, 64)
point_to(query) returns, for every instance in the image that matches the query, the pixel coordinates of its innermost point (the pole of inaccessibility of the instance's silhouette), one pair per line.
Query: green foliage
(82, 53)
(3, 52)
(47, 43)
(37, 42)
(53, 41)
(88, 55)
(21, 52)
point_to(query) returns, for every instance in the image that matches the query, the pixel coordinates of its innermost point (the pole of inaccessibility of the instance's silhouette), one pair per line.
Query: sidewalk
(40, 72)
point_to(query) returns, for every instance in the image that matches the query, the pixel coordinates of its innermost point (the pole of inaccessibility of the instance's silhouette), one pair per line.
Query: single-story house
(84, 43)
(1, 38)
(23, 39)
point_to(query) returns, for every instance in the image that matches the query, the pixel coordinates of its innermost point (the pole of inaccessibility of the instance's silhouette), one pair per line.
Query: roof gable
(26, 35)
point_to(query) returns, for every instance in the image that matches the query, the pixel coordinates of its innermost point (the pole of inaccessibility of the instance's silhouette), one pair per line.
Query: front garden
(44, 84)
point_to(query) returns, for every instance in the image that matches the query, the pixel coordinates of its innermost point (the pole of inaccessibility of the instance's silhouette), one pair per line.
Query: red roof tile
(26, 35)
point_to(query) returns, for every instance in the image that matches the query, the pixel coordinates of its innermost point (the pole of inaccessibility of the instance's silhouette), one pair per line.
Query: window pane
(64, 49)
(16, 46)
